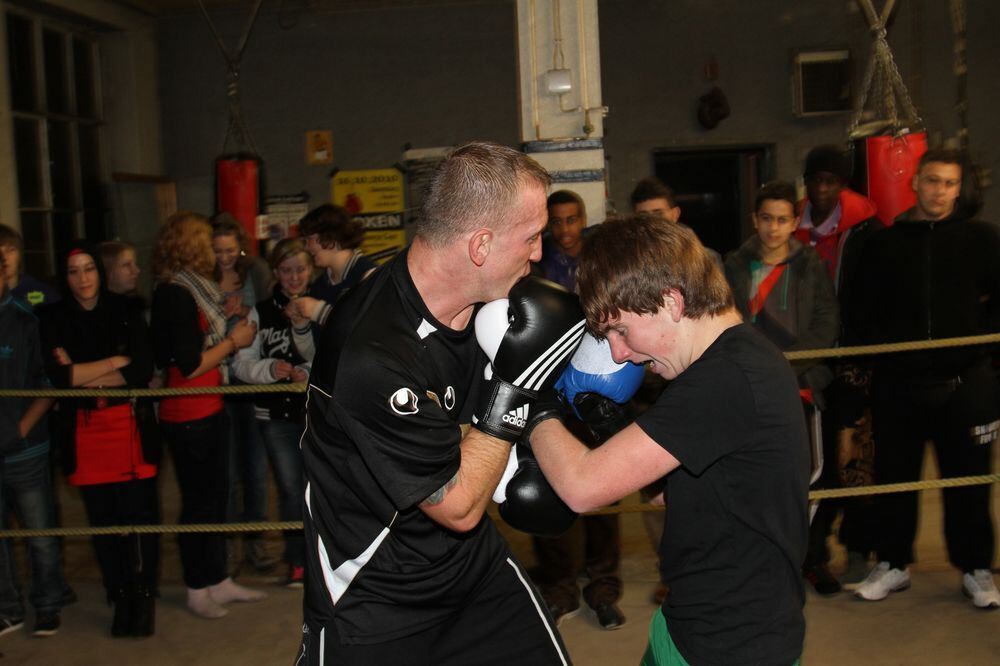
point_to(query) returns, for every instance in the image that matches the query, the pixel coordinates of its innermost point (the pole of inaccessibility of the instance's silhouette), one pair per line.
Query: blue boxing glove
(593, 370)
(599, 389)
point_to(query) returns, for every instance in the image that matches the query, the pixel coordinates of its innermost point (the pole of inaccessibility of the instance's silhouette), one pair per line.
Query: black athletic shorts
(507, 624)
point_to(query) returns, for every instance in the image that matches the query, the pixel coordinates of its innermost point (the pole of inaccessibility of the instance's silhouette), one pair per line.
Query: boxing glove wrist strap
(549, 405)
(503, 409)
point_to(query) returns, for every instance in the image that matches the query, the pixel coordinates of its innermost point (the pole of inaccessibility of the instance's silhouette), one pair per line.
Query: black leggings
(132, 560)
(201, 460)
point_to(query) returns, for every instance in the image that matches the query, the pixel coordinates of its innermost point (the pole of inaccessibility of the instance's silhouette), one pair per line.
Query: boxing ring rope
(835, 352)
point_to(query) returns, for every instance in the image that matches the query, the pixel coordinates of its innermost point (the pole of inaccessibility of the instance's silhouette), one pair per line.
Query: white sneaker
(979, 587)
(881, 581)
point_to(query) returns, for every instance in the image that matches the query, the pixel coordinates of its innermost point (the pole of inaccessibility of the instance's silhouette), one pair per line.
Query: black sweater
(929, 280)
(114, 327)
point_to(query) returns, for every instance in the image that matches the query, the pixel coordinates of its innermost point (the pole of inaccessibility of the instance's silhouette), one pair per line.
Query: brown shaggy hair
(185, 242)
(225, 224)
(629, 262)
(333, 226)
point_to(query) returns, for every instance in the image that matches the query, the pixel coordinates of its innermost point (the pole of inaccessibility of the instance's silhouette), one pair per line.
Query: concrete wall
(437, 75)
(381, 78)
(653, 54)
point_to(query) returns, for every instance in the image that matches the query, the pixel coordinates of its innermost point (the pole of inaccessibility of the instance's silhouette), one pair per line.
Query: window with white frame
(56, 112)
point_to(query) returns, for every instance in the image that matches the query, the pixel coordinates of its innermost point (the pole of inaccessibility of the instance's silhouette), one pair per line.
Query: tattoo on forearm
(437, 496)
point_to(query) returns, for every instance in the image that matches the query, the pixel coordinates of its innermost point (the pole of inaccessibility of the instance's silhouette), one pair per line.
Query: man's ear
(479, 246)
(913, 183)
(674, 214)
(673, 301)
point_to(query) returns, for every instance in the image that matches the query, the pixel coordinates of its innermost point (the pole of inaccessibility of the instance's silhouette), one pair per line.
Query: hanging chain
(237, 129)
(882, 82)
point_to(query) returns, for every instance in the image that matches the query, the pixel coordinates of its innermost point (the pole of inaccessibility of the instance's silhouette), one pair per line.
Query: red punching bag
(884, 167)
(238, 191)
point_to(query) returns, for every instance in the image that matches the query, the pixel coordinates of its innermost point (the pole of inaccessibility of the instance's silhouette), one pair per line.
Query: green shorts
(661, 650)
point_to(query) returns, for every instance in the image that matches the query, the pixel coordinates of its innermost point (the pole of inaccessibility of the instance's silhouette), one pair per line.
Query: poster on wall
(376, 197)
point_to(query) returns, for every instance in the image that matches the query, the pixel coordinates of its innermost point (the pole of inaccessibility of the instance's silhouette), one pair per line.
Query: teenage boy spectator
(652, 196)
(837, 221)
(781, 287)
(559, 558)
(727, 432)
(333, 238)
(22, 287)
(933, 275)
(25, 477)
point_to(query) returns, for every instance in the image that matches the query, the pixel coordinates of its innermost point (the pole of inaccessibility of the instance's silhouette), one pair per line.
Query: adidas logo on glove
(517, 417)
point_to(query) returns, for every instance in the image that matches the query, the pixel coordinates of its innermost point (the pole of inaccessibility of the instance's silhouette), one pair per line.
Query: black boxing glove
(603, 416)
(527, 502)
(529, 338)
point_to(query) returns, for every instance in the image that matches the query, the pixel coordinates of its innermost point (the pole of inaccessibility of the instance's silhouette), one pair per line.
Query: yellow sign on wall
(378, 198)
(369, 191)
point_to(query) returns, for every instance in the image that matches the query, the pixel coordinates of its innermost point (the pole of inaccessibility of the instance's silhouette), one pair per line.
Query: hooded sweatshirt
(801, 310)
(931, 280)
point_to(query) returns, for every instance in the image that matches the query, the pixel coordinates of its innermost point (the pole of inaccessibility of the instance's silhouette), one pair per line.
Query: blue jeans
(247, 464)
(282, 441)
(29, 485)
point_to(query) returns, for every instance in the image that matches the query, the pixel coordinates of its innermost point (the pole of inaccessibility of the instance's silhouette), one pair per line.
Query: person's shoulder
(856, 208)
(168, 296)
(742, 255)
(743, 344)
(23, 313)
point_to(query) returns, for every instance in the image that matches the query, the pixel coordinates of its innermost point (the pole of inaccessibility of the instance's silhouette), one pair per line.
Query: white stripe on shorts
(541, 614)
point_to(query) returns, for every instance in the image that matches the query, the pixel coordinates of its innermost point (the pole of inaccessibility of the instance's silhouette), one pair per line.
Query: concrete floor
(932, 623)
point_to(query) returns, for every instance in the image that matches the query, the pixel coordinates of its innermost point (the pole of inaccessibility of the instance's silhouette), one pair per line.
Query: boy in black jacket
(933, 275)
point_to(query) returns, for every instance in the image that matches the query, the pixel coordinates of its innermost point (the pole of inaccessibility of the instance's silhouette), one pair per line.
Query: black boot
(143, 620)
(122, 599)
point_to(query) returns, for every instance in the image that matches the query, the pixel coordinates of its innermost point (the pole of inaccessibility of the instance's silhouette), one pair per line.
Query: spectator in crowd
(283, 351)
(121, 267)
(836, 222)
(781, 287)
(651, 196)
(191, 342)
(333, 238)
(933, 274)
(247, 454)
(22, 287)
(110, 446)
(598, 553)
(25, 478)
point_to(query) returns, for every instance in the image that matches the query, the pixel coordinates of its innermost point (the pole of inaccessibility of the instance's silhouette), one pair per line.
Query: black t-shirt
(736, 521)
(389, 387)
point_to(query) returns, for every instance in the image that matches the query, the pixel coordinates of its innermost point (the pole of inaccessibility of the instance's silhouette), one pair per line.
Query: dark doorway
(715, 188)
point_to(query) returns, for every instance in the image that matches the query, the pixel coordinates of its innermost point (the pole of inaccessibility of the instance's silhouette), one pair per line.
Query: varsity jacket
(276, 340)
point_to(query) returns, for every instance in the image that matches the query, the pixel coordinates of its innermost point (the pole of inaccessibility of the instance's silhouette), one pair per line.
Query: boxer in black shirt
(402, 564)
